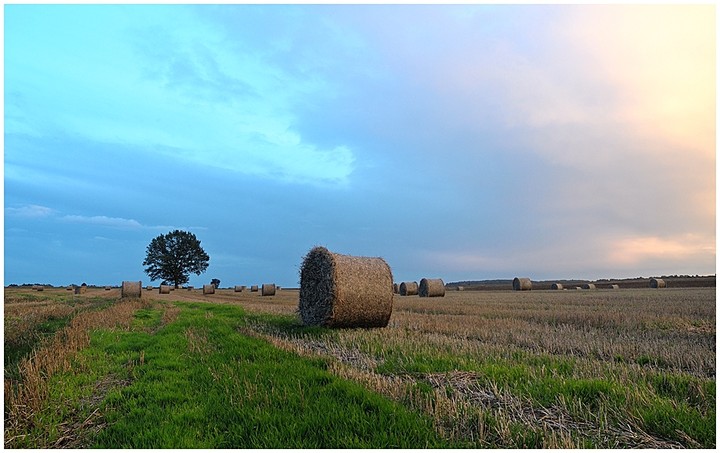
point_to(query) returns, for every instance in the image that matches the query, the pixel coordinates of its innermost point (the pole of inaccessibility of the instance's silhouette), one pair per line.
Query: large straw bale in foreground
(657, 283)
(408, 289)
(345, 291)
(522, 284)
(164, 289)
(131, 289)
(208, 289)
(431, 287)
(268, 289)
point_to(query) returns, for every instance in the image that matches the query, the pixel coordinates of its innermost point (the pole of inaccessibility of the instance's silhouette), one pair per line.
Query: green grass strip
(198, 383)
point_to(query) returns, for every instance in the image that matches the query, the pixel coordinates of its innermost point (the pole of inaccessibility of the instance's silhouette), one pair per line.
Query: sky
(462, 142)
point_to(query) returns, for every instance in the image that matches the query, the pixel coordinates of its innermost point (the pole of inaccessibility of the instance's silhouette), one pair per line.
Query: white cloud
(114, 222)
(30, 211)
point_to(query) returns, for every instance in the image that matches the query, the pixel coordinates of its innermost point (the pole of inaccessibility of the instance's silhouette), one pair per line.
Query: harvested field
(623, 368)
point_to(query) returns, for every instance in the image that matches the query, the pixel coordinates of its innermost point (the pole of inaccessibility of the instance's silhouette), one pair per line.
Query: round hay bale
(80, 289)
(190, 288)
(556, 286)
(408, 289)
(39, 288)
(108, 288)
(239, 288)
(164, 289)
(657, 283)
(431, 287)
(268, 289)
(578, 288)
(396, 288)
(149, 287)
(208, 289)
(522, 284)
(588, 286)
(461, 288)
(254, 288)
(345, 291)
(131, 289)
(614, 286)
(69, 288)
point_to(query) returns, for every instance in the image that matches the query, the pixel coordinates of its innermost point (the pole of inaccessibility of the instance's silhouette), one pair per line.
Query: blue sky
(460, 142)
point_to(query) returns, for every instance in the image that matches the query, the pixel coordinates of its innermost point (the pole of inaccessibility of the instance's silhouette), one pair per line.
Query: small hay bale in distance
(396, 288)
(69, 288)
(657, 283)
(614, 286)
(254, 288)
(239, 288)
(431, 287)
(131, 289)
(588, 286)
(408, 289)
(208, 289)
(108, 288)
(164, 289)
(460, 288)
(190, 288)
(522, 284)
(557, 286)
(80, 289)
(345, 291)
(149, 287)
(268, 289)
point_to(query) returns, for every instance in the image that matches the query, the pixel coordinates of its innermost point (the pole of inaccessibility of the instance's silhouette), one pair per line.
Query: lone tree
(174, 256)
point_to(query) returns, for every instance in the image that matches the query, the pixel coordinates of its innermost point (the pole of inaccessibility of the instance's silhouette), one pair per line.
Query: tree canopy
(174, 256)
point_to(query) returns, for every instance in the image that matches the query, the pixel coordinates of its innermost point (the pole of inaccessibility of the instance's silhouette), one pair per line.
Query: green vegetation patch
(198, 383)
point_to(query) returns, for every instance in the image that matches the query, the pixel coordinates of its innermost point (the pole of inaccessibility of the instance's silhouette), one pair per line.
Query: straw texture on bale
(254, 288)
(80, 289)
(657, 283)
(164, 289)
(556, 286)
(588, 286)
(208, 289)
(461, 288)
(345, 291)
(268, 289)
(522, 284)
(431, 287)
(131, 289)
(239, 288)
(408, 289)
(615, 287)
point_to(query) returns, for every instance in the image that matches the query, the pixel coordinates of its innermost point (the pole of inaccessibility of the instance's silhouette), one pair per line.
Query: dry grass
(624, 337)
(26, 395)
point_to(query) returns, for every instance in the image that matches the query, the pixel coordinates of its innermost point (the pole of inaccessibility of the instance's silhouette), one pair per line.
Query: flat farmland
(629, 368)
